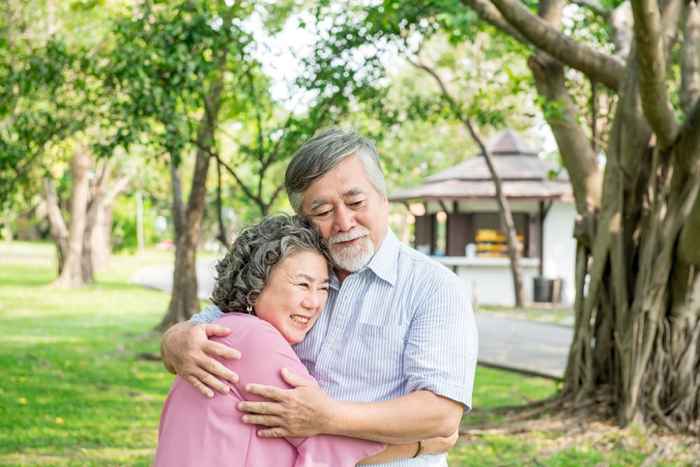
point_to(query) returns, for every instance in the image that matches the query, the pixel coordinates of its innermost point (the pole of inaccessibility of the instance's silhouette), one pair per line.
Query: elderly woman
(272, 284)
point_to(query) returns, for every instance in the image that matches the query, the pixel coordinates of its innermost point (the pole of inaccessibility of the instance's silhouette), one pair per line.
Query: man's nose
(344, 219)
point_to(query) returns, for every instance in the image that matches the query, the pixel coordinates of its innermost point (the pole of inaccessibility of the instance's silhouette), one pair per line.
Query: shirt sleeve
(264, 353)
(208, 315)
(442, 342)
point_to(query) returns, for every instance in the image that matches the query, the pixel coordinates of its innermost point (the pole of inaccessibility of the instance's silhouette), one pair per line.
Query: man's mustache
(356, 232)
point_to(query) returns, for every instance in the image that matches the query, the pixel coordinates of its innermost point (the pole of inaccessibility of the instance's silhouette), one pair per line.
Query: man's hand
(187, 351)
(303, 411)
(439, 445)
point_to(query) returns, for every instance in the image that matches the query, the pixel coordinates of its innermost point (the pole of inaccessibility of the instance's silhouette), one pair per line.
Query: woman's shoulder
(244, 323)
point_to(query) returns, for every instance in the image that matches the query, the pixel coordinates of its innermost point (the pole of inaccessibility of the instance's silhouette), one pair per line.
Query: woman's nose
(312, 300)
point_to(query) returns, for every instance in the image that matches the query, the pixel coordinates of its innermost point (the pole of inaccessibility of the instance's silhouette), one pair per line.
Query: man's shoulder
(427, 277)
(423, 265)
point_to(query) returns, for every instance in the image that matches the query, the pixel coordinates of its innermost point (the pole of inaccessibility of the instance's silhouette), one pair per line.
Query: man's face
(349, 212)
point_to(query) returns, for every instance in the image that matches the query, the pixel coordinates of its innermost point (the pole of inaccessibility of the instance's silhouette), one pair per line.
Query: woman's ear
(250, 299)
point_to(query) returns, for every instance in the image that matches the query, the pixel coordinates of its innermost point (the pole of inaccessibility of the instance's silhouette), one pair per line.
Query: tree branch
(652, 71)
(118, 187)
(222, 237)
(178, 206)
(690, 56)
(491, 15)
(596, 65)
(688, 150)
(248, 192)
(562, 116)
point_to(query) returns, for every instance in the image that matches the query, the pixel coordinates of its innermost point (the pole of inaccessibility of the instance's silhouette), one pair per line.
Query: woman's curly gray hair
(246, 268)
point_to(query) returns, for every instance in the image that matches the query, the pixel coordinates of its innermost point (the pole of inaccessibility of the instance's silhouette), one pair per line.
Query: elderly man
(395, 349)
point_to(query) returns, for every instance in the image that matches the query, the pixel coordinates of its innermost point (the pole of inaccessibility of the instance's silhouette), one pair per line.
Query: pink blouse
(196, 431)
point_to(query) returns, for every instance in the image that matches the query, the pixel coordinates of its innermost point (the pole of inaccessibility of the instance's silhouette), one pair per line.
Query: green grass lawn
(74, 392)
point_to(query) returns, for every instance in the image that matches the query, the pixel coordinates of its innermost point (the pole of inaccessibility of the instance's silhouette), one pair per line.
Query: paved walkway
(514, 344)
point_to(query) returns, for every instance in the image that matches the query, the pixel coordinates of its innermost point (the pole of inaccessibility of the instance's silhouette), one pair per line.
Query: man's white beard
(355, 257)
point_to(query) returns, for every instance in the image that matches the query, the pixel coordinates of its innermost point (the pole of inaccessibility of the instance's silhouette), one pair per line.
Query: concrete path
(526, 346)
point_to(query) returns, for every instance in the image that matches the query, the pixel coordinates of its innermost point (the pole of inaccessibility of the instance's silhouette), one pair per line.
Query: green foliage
(160, 70)
(124, 236)
(38, 107)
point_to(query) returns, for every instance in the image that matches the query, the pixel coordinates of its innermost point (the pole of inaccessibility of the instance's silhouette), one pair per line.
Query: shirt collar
(385, 261)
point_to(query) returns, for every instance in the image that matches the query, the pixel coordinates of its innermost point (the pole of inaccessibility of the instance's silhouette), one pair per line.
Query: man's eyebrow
(353, 192)
(318, 202)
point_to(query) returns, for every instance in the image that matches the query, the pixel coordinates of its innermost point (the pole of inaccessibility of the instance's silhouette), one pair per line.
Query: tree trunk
(102, 237)
(57, 226)
(509, 226)
(183, 299)
(98, 230)
(71, 274)
(222, 236)
(636, 330)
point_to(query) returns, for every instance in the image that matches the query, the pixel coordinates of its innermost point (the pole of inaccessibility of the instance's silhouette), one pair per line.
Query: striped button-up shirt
(402, 323)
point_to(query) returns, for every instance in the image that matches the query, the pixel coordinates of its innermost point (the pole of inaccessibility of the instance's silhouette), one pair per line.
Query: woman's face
(294, 295)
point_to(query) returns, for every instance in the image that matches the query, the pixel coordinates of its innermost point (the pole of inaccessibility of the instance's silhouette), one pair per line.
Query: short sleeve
(442, 342)
(264, 353)
(208, 315)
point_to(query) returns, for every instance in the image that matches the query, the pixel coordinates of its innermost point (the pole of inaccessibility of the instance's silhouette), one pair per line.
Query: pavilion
(457, 220)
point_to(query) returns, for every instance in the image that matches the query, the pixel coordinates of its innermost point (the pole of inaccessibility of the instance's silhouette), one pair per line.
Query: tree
(180, 74)
(636, 322)
(635, 347)
(83, 246)
(48, 100)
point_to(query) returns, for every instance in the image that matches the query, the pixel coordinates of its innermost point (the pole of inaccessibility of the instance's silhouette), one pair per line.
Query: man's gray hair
(322, 153)
(245, 270)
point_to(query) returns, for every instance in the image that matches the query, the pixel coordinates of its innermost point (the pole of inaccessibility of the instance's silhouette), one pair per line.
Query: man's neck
(342, 274)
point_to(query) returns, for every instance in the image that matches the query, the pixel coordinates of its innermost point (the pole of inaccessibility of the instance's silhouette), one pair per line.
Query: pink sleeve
(264, 353)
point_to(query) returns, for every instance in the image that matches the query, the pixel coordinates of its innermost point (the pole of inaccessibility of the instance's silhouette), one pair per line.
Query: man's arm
(395, 452)
(306, 411)
(439, 361)
(187, 351)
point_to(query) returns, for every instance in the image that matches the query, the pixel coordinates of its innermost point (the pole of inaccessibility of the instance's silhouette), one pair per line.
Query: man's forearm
(416, 416)
(392, 453)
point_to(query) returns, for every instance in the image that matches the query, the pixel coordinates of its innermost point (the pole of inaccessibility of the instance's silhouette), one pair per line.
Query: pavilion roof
(523, 175)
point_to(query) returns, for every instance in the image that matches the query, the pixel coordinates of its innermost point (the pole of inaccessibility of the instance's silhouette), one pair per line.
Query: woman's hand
(439, 445)
(187, 351)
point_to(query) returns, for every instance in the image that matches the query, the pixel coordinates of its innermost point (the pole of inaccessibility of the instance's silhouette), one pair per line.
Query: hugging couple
(330, 343)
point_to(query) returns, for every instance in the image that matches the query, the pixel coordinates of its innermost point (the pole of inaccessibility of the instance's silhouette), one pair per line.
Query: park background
(141, 133)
